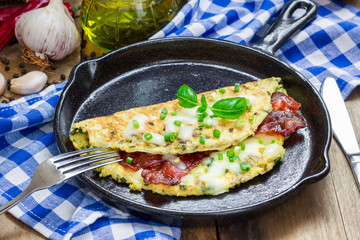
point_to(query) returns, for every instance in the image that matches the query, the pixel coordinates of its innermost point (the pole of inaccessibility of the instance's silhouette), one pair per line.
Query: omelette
(197, 144)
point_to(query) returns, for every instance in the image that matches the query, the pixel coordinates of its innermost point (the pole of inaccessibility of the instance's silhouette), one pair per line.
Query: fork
(62, 167)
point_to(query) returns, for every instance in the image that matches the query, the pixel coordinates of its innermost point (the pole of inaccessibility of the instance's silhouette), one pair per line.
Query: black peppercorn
(15, 75)
(5, 61)
(62, 77)
(7, 68)
(21, 65)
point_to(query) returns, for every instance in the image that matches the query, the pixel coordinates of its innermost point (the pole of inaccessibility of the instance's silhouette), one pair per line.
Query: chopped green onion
(208, 122)
(242, 145)
(216, 133)
(222, 90)
(220, 156)
(173, 113)
(164, 111)
(162, 116)
(251, 118)
(173, 136)
(183, 187)
(204, 114)
(167, 137)
(261, 141)
(201, 126)
(123, 180)
(237, 87)
(240, 123)
(148, 136)
(201, 109)
(248, 104)
(135, 124)
(230, 153)
(273, 141)
(201, 118)
(129, 160)
(232, 159)
(212, 116)
(277, 160)
(245, 166)
(177, 123)
(202, 139)
(213, 96)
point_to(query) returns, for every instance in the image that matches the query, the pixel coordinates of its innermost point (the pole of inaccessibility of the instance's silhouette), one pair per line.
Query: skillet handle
(285, 25)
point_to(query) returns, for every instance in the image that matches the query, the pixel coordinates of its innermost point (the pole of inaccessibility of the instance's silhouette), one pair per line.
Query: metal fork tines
(61, 167)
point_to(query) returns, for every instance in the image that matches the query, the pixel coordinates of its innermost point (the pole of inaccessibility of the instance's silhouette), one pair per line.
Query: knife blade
(341, 124)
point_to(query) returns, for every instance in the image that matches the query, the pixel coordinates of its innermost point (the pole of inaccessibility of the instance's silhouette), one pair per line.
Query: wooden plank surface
(328, 209)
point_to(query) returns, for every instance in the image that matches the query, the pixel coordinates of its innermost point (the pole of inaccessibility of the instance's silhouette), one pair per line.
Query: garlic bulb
(49, 31)
(2, 84)
(32, 82)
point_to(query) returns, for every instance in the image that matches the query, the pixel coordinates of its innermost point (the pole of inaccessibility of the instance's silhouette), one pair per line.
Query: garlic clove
(32, 82)
(2, 84)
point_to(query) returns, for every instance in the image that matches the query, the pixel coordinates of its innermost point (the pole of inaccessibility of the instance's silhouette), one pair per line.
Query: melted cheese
(156, 139)
(253, 149)
(273, 151)
(185, 116)
(130, 131)
(186, 132)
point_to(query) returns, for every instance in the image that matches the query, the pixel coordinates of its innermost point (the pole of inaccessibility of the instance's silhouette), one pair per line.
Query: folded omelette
(175, 150)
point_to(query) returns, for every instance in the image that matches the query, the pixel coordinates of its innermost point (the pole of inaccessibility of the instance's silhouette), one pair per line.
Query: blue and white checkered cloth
(328, 47)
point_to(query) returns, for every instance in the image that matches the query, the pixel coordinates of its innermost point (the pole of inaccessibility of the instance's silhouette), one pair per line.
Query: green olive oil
(111, 24)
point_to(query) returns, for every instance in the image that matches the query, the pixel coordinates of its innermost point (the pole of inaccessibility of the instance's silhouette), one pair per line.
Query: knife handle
(355, 166)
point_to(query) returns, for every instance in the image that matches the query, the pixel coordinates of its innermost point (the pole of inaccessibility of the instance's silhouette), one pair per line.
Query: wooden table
(328, 209)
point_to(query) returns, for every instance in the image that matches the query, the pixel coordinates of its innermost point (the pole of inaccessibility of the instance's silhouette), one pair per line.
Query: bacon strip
(282, 102)
(283, 119)
(282, 122)
(156, 170)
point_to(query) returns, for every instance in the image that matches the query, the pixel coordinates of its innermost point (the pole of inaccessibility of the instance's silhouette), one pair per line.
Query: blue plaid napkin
(328, 47)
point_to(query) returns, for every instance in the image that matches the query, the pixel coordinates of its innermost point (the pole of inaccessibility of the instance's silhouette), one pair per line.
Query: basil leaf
(187, 97)
(201, 109)
(203, 101)
(230, 108)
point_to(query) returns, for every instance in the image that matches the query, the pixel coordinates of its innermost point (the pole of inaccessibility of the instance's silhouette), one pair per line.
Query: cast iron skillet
(152, 71)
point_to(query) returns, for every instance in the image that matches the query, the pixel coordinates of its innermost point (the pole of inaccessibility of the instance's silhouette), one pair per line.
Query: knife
(341, 125)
